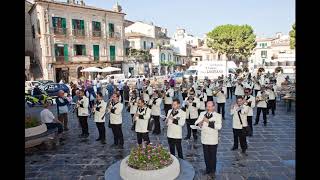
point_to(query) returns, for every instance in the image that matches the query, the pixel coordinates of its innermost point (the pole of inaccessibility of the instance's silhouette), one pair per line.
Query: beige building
(69, 37)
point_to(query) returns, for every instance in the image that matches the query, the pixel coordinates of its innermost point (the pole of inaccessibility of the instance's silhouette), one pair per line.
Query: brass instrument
(216, 90)
(263, 97)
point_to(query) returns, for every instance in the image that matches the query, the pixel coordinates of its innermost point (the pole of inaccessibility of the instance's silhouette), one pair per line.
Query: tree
(236, 41)
(293, 36)
(139, 55)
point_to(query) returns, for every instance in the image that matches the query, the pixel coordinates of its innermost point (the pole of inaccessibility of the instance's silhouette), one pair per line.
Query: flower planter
(290, 63)
(170, 172)
(282, 63)
(34, 131)
(274, 63)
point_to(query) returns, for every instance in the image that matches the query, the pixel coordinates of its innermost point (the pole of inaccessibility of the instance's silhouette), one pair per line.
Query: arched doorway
(79, 73)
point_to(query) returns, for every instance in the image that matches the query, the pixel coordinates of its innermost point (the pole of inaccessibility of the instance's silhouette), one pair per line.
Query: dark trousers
(117, 133)
(229, 92)
(55, 125)
(239, 135)
(249, 119)
(256, 92)
(272, 106)
(84, 124)
(264, 112)
(210, 157)
(99, 89)
(184, 95)
(121, 93)
(144, 136)
(157, 129)
(101, 130)
(167, 107)
(233, 89)
(173, 144)
(209, 98)
(133, 122)
(64, 119)
(221, 109)
(194, 131)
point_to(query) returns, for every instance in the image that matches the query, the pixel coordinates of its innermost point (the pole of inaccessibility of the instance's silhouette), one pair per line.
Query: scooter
(32, 100)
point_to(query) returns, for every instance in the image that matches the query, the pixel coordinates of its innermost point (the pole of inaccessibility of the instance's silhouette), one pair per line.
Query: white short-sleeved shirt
(46, 116)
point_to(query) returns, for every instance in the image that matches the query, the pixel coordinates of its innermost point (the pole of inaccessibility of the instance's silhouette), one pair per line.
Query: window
(79, 50)
(163, 57)
(33, 33)
(111, 30)
(169, 57)
(112, 53)
(196, 59)
(144, 45)
(264, 54)
(151, 46)
(96, 29)
(96, 52)
(59, 25)
(61, 52)
(78, 27)
(127, 51)
(38, 25)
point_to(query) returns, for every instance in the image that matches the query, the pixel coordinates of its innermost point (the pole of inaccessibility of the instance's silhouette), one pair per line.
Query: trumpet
(216, 90)
(263, 97)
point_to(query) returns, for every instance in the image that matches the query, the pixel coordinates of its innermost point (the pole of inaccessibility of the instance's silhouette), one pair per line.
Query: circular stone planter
(32, 132)
(169, 173)
(186, 171)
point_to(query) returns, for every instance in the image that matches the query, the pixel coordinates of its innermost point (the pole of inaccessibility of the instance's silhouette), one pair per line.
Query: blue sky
(200, 16)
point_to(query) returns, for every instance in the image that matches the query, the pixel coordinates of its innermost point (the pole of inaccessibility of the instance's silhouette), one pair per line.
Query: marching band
(202, 108)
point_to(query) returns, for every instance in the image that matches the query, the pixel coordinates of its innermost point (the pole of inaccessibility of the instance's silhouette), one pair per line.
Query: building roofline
(73, 5)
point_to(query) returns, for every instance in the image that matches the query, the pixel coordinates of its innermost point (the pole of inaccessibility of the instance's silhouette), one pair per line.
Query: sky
(201, 16)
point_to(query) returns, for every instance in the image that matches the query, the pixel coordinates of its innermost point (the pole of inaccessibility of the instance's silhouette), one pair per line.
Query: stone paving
(271, 151)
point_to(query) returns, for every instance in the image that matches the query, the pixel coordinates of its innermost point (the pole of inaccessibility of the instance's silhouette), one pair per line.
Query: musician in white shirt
(115, 121)
(239, 111)
(249, 101)
(175, 121)
(192, 104)
(154, 105)
(239, 91)
(83, 113)
(99, 110)
(272, 99)
(202, 95)
(209, 89)
(256, 87)
(210, 122)
(168, 98)
(133, 105)
(142, 117)
(229, 86)
(261, 102)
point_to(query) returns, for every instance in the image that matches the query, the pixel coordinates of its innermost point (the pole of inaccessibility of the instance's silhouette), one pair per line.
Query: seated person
(51, 122)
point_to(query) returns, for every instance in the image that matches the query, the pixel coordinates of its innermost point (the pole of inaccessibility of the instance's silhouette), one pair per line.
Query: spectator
(62, 109)
(120, 87)
(126, 92)
(110, 89)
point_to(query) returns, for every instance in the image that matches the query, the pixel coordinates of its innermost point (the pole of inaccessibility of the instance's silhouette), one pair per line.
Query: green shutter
(73, 23)
(64, 24)
(83, 50)
(54, 21)
(96, 52)
(112, 53)
(81, 24)
(111, 27)
(65, 52)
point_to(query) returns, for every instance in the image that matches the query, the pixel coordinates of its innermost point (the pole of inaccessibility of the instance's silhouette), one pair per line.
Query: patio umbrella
(91, 69)
(110, 69)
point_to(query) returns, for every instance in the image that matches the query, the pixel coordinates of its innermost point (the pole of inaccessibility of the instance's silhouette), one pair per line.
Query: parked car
(44, 82)
(29, 85)
(53, 88)
(178, 77)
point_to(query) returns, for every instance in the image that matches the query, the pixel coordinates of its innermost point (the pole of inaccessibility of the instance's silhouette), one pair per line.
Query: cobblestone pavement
(271, 151)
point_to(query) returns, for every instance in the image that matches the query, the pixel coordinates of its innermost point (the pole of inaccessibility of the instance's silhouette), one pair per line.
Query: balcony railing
(114, 35)
(96, 33)
(60, 31)
(61, 59)
(78, 32)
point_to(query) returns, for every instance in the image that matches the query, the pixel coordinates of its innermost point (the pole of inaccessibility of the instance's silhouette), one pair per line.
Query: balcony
(114, 36)
(59, 32)
(78, 32)
(96, 34)
(61, 59)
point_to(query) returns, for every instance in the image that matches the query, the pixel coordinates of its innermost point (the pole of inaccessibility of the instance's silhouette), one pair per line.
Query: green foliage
(170, 63)
(31, 122)
(233, 40)
(292, 34)
(140, 54)
(151, 157)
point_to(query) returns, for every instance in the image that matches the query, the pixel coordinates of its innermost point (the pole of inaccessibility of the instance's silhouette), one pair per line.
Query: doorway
(62, 74)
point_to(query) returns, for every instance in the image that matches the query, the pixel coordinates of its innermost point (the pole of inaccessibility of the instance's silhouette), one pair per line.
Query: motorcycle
(39, 100)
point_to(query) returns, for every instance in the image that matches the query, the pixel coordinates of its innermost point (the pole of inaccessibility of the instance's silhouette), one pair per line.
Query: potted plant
(149, 162)
(33, 126)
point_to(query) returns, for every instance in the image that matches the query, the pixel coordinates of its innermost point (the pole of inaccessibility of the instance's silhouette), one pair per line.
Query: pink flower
(149, 157)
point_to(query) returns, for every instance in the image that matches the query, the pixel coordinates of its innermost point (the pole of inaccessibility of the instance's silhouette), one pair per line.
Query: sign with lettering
(212, 69)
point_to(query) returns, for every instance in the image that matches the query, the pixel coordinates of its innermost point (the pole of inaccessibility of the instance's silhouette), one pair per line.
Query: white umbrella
(91, 69)
(110, 69)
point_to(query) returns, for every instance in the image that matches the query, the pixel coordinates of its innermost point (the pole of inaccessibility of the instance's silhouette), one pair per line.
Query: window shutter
(54, 22)
(65, 52)
(81, 24)
(64, 24)
(56, 52)
(83, 50)
(73, 23)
